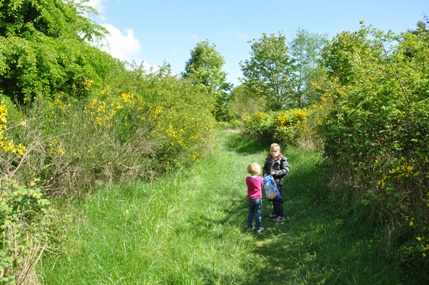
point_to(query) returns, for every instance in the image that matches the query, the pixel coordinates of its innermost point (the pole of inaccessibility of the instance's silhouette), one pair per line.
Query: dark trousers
(278, 204)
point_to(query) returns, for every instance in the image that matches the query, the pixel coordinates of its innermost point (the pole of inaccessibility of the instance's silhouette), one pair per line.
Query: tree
(205, 67)
(45, 49)
(268, 71)
(242, 103)
(345, 55)
(55, 18)
(306, 49)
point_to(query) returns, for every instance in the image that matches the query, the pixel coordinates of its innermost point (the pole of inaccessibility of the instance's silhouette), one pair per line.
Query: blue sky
(161, 31)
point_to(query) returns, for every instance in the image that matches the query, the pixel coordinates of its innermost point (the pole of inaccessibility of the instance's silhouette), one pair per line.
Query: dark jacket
(280, 166)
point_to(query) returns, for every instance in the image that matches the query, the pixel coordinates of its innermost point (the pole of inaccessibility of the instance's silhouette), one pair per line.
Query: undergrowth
(190, 228)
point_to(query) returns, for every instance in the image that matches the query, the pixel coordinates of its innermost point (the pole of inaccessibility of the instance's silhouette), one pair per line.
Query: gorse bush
(376, 129)
(67, 147)
(287, 127)
(7, 146)
(73, 144)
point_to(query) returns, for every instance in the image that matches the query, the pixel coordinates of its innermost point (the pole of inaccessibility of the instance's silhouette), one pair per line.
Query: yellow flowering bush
(286, 127)
(6, 145)
(373, 119)
(114, 135)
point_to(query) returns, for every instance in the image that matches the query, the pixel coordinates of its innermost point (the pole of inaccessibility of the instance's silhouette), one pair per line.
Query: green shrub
(376, 131)
(285, 127)
(25, 231)
(112, 135)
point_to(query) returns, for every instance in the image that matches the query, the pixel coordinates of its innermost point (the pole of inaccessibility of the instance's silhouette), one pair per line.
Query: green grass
(190, 228)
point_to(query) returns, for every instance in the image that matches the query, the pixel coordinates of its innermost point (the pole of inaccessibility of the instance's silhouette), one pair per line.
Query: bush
(285, 127)
(376, 132)
(26, 223)
(113, 135)
(66, 147)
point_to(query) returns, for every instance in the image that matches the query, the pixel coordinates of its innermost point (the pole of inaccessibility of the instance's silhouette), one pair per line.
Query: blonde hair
(274, 145)
(254, 168)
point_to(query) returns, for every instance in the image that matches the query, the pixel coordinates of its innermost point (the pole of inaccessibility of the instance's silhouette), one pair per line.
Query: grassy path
(190, 228)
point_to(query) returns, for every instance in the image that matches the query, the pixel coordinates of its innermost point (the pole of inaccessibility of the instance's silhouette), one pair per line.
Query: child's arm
(284, 168)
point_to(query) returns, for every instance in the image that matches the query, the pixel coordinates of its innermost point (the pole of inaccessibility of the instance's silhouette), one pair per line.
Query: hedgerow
(376, 130)
(63, 148)
(72, 145)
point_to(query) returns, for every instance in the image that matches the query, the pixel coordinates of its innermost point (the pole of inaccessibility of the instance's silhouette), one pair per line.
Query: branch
(397, 76)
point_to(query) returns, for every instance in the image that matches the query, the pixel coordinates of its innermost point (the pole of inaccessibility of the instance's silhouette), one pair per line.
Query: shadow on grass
(317, 244)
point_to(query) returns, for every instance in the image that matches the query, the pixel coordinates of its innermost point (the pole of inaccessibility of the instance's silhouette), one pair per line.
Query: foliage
(242, 103)
(162, 226)
(56, 18)
(285, 127)
(72, 118)
(26, 221)
(268, 71)
(205, 68)
(44, 49)
(7, 146)
(114, 136)
(190, 228)
(376, 129)
(305, 49)
(71, 145)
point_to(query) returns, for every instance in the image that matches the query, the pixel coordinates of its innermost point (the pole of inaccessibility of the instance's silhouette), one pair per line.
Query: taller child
(278, 166)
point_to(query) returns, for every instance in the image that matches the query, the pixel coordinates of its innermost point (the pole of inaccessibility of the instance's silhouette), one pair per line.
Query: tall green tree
(344, 55)
(45, 49)
(306, 49)
(205, 68)
(55, 18)
(268, 71)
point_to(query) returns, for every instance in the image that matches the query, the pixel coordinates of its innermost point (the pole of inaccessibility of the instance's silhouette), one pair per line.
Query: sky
(165, 31)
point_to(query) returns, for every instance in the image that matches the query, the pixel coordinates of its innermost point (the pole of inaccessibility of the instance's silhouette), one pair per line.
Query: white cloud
(123, 46)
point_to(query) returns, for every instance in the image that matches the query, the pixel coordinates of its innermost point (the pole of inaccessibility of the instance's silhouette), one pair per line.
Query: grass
(190, 228)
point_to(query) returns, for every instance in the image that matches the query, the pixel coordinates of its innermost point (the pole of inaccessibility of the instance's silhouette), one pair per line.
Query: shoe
(272, 216)
(250, 228)
(278, 219)
(259, 230)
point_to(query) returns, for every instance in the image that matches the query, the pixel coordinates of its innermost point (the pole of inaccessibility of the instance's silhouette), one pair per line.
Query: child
(254, 195)
(277, 165)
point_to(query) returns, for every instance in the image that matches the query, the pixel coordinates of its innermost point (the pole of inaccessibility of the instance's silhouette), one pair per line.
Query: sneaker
(272, 216)
(278, 219)
(250, 228)
(259, 230)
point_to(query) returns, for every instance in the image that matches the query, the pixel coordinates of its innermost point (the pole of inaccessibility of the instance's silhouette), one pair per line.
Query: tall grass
(190, 228)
